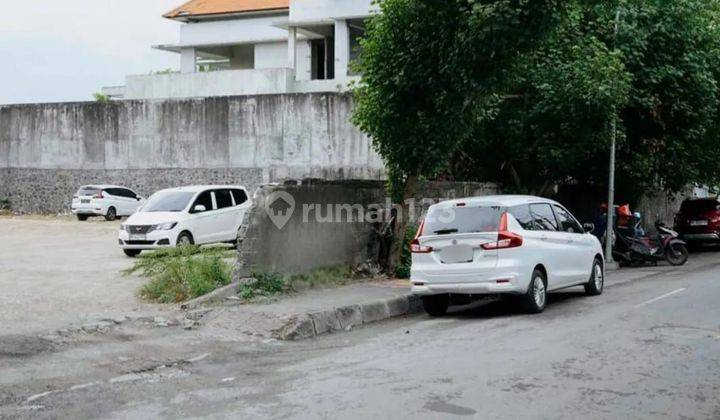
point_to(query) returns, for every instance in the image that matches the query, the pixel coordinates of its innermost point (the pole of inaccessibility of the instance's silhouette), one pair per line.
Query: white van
(183, 216)
(511, 245)
(108, 201)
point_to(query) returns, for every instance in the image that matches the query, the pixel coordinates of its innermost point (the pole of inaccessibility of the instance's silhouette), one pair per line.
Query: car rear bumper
(423, 289)
(88, 211)
(701, 237)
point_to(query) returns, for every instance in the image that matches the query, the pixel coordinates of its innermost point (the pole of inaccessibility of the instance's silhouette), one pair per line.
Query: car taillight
(98, 195)
(415, 246)
(505, 239)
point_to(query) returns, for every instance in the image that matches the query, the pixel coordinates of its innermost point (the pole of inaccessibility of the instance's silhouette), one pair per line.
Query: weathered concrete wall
(48, 150)
(306, 242)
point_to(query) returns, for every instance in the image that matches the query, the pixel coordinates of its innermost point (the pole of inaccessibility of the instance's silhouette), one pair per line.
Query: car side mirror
(589, 227)
(139, 198)
(199, 208)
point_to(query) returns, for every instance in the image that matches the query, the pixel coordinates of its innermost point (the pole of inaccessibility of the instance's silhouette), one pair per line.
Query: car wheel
(436, 305)
(596, 283)
(536, 296)
(111, 214)
(185, 239)
(132, 253)
(82, 217)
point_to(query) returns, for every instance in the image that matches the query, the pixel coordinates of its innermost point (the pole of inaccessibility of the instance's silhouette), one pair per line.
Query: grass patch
(4, 205)
(182, 273)
(273, 284)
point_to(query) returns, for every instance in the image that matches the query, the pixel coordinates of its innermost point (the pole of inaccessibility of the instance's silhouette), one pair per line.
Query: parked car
(185, 216)
(109, 201)
(518, 246)
(698, 221)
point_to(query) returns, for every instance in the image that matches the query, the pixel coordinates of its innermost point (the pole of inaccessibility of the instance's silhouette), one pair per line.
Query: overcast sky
(65, 50)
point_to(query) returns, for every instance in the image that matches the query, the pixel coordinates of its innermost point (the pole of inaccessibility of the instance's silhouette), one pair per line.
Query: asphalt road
(646, 348)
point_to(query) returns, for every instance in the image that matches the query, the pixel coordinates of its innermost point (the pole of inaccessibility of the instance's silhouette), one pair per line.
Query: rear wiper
(445, 231)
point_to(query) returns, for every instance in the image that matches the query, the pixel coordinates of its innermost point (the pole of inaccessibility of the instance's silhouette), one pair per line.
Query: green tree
(431, 69)
(663, 83)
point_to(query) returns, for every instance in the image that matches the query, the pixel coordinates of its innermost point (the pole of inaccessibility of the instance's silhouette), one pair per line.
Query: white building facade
(246, 47)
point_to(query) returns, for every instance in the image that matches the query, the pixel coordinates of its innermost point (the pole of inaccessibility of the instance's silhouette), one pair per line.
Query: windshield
(448, 220)
(88, 191)
(699, 206)
(173, 201)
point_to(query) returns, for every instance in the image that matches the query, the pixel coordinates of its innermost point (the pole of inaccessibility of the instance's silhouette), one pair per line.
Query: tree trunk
(401, 223)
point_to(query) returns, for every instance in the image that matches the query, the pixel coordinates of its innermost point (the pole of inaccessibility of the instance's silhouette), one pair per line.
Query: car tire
(535, 299)
(436, 305)
(595, 285)
(82, 217)
(132, 253)
(185, 239)
(111, 214)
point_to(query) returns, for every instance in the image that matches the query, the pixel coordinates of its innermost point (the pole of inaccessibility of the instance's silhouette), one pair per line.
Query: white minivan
(502, 245)
(184, 216)
(108, 201)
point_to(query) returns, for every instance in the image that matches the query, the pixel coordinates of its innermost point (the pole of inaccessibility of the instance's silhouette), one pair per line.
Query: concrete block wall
(48, 150)
(304, 243)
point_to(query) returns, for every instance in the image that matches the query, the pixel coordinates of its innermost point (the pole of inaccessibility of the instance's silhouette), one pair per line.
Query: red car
(698, 221)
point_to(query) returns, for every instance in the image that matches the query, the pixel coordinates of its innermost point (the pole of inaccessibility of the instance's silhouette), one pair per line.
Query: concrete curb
(344, 318)
(216, 296)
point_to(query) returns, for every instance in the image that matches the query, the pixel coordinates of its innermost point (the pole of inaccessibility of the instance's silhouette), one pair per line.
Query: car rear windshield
(699, 206)
(88, 191)
(449, 220)
(173, 201)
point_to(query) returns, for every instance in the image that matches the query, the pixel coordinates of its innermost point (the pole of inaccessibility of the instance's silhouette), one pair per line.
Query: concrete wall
(304, 243)
(318, 10)
(48, 150)
(233, 31)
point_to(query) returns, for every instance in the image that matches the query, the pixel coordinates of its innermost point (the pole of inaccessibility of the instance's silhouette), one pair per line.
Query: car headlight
(124, 227)
(165, 226)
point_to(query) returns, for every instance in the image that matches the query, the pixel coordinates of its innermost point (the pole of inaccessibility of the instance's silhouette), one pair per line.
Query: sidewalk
(318, 312)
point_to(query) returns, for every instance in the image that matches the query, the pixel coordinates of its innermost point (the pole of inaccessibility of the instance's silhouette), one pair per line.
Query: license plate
(457, 254)
(699, 223)
(137, 237)
(85, 201)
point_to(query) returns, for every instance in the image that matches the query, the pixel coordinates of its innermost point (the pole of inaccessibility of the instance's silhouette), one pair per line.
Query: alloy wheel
(599, 277)
(539, 291)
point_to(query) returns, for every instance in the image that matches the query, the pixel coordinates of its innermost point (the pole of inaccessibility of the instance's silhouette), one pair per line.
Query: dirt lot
(58, 271)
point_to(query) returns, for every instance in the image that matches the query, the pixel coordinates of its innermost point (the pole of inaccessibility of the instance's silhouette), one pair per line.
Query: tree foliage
(430, 70)
(663, 84)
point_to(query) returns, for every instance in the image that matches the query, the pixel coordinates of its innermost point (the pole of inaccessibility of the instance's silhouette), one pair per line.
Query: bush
(271, 284)
(4, 203)
(179, 274)
(265, 284)
(403, 270)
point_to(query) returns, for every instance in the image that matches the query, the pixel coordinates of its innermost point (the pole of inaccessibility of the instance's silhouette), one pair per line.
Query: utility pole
(610, 231)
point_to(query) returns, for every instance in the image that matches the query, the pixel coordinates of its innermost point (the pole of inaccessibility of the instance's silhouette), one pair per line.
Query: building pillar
(188, 60)
(342, 49)
(292, 48)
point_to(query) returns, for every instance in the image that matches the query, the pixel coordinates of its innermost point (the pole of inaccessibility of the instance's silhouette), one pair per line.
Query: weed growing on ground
(272, 284)
(182, 273)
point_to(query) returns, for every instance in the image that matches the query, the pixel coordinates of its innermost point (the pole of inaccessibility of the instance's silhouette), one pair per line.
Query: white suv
(109, 201)
(510, 245)
(184, 216)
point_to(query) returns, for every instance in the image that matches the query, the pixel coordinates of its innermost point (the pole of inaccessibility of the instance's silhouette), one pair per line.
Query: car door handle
(543, 237)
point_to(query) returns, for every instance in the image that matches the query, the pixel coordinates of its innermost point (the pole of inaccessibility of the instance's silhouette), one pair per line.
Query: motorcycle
(630, 248)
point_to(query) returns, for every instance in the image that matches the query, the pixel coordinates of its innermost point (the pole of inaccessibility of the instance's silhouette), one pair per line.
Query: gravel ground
(58, 271)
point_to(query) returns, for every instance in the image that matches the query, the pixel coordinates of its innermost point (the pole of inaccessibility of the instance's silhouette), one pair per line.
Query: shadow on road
(508, 307)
